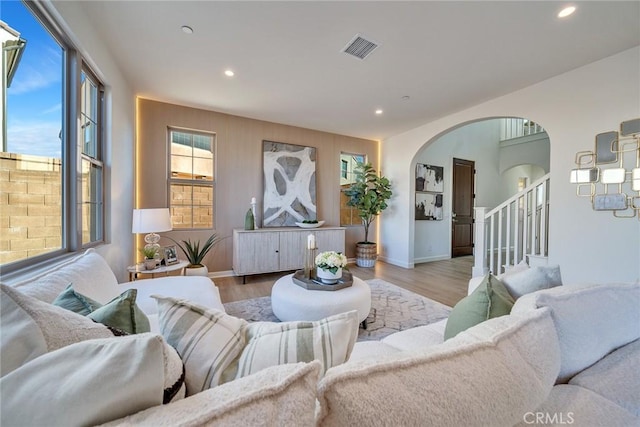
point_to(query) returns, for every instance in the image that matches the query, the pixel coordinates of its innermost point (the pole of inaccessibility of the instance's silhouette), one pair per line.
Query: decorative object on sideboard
(289, 183)
(254, 212)
(195, 254)
(151, 221)
(329, 266)
(368, 194)
(610, 175)
(249, 220)
(310, 223)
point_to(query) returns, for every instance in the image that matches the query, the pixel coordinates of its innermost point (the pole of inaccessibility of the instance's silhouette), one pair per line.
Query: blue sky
(34, 99)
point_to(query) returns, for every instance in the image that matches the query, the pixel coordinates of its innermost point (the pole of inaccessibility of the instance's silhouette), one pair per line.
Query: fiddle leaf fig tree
(368, 194)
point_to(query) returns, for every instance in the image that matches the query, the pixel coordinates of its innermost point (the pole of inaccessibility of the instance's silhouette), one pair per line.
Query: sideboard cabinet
(267, 250)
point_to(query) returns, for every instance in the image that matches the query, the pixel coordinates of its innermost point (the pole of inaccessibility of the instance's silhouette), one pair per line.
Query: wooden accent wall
(238, 168)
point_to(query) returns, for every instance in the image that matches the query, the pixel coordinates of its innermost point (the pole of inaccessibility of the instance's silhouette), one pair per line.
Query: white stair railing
(515, 230)
(512, 127)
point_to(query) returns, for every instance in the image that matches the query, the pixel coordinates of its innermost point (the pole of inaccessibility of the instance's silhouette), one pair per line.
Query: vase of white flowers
(329, 266)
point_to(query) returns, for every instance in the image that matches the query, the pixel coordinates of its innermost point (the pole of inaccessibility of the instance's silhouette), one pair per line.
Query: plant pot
(366, 254)
(150, 264)
(199, 270)
(327, 277)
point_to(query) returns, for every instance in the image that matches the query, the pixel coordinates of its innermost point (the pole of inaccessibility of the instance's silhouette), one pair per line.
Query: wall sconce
(610, 175)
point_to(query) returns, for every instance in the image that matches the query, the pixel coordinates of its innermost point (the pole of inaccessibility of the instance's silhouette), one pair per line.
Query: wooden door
(462, 208)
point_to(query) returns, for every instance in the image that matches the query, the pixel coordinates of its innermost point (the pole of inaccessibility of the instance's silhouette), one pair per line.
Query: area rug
(393, 309)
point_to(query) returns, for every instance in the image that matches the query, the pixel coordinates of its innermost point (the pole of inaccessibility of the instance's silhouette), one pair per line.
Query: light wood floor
(444, 281)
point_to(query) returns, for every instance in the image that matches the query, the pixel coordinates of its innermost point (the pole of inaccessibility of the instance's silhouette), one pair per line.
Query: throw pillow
(31, 328)
(207, 340)
(75, 301)
(90, 383)
(490, 299)
(329, 340)
(532, 279)
(122, 313)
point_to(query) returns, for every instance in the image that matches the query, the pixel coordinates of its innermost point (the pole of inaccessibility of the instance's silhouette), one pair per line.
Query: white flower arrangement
(331, 261)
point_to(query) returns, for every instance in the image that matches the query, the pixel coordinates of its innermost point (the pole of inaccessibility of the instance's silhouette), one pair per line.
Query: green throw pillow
(123, 313)
(490, 299)
(73, 301)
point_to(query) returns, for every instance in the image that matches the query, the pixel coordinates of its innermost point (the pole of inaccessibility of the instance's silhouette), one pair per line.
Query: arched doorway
(506, 152)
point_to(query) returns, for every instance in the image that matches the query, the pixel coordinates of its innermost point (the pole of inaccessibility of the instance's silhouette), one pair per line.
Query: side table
(138, 269)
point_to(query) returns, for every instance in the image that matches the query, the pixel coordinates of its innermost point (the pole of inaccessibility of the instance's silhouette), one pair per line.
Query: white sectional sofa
(566, 355)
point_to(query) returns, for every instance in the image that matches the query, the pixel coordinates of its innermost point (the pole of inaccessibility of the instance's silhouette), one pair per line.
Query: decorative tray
(314, 284)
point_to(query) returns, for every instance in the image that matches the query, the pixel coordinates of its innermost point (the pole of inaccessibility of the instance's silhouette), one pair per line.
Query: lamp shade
(151, 220)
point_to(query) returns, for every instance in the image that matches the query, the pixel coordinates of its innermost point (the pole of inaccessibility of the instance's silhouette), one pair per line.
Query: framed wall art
(289, 184)
(429, 178)
(428, 207)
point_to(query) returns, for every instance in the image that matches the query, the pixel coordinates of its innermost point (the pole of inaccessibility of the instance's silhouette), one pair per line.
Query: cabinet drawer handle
(277, 251)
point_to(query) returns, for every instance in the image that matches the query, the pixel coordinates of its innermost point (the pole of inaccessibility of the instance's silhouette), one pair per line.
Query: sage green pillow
(123, 313)
(490, 299)
(73, 301)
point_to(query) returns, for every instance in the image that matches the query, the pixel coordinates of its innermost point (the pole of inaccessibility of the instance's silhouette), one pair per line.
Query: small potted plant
(329, 266)
(369, 195)
(149, 253)
(195, 254)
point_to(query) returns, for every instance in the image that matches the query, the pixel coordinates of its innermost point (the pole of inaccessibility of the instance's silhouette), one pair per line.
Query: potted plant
(368, 194)
(195, 254)
(329, 266)
(149, 253)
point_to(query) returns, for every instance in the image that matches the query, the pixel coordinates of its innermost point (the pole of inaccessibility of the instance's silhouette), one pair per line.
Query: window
(51, 157)
(348, 214)
(191, 179)
(91, 200)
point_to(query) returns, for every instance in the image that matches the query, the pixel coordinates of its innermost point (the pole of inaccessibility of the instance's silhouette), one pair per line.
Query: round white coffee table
(292, 302)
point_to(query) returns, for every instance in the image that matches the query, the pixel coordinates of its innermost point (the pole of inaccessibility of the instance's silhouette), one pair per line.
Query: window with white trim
(51, 161)
(191, 178)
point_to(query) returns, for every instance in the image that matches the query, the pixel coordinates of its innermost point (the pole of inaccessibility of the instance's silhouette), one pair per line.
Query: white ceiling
(289, 68)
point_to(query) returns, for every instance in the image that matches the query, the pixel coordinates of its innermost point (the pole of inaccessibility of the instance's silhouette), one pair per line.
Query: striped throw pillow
(208, 340)
(329, 340)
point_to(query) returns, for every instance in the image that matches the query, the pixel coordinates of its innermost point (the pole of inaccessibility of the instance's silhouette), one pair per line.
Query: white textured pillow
(591, 321)
(207, 340)
(87, 383)
(490, 374)
(89, 273)
(531, 280)
(31, 328)
(329, 340)
(282, 395)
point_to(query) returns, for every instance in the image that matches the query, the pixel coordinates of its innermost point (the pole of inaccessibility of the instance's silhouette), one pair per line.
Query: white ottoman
(292, 302)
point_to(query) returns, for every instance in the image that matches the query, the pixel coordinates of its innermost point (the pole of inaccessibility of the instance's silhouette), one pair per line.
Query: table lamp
(151, 221)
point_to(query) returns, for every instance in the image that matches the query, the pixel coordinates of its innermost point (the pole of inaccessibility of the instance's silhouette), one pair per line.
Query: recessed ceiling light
(187, 29)
(406, 98)
(229, 73)
(566, 11)
(378, 111)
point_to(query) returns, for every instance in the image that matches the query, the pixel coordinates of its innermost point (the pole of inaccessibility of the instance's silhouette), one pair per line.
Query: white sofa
(567, 355)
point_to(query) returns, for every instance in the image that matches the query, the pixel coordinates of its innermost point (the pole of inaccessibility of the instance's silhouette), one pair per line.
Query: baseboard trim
(399, 263)
(431, 259)
(225, 273)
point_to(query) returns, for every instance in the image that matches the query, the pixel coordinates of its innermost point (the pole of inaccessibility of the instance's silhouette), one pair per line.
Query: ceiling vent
(360, 47)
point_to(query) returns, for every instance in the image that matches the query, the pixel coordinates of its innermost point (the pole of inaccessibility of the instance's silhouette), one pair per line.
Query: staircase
(515, 230)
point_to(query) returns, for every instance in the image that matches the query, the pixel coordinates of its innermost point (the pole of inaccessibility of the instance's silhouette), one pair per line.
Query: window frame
(342, 190)
(193, 182)
(73, 64)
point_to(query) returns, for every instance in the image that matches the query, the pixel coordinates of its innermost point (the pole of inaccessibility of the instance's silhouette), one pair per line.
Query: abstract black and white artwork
(428, 206)
(289, 184)
(429, 178)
